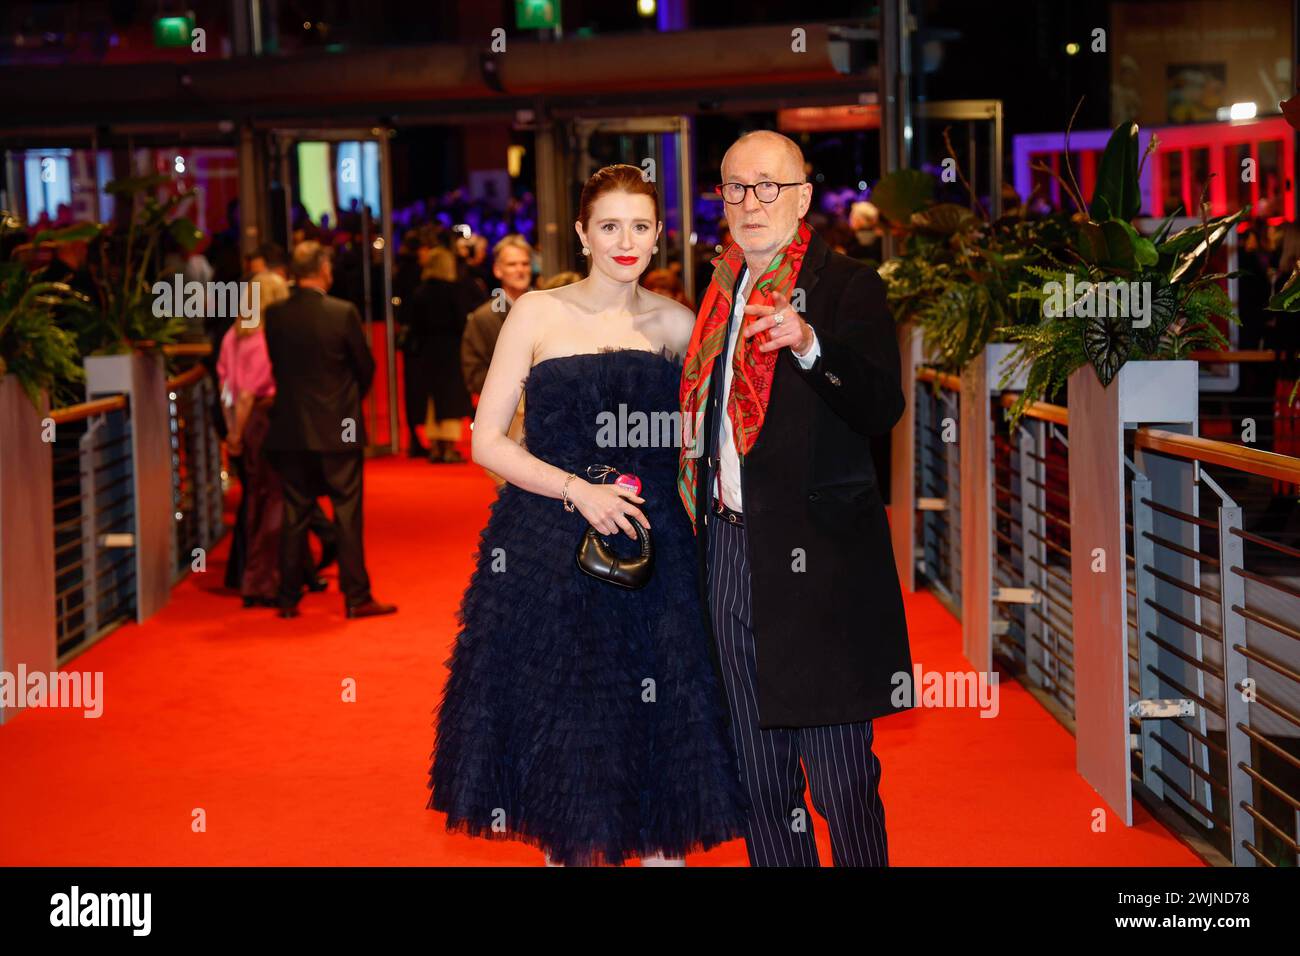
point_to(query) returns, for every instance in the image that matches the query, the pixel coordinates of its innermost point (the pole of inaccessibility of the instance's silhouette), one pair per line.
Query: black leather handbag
(596, 558)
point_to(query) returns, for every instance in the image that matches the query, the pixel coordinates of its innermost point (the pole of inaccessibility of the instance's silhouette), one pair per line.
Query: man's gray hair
(512, 241)
(309, 258)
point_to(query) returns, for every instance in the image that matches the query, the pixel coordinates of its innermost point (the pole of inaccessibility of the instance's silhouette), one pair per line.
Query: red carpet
(239, 714)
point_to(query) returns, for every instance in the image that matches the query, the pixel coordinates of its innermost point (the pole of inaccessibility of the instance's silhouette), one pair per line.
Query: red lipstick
(625, 260)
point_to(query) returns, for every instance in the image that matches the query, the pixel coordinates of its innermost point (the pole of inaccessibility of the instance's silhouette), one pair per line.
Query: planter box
(27, 619)
(143, 378)
(979, 382)
(1153, 392)
(1143, 393)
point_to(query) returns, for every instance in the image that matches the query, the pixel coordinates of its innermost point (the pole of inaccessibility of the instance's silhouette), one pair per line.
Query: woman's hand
(608, 507)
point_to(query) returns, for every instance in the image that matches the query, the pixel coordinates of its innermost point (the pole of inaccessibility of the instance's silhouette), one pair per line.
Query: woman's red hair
(619, 178)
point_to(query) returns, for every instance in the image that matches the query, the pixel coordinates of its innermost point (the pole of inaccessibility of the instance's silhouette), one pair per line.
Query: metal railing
(94, 503)
(1215, 696)
(1032, 602)
(94, 522)
(937, 481)
(196, 467)
(1213, 611)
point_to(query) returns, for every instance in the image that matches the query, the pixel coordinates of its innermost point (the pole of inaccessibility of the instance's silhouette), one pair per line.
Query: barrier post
(1141, 393)
(141, 376)
(27, 620)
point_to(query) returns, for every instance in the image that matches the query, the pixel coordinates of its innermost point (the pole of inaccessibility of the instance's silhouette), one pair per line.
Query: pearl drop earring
(654, 251)
(586, 251)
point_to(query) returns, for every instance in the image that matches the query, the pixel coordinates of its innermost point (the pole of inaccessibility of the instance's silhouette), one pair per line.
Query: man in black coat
(322, 367)
(795, 561)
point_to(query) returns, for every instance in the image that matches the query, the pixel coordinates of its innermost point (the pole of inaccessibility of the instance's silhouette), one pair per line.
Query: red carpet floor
(239, 715)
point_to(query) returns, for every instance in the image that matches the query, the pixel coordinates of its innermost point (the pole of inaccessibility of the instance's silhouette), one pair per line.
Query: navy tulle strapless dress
(580, 717)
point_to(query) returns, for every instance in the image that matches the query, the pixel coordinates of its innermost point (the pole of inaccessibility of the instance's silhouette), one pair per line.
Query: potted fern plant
(1120, 313)
(124, 318)
(38, 358)
(958, 272)
(1110, 296)
(38, 365)
(121, 342)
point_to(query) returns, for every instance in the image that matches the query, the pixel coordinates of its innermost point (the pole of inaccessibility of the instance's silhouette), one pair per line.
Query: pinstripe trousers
(843, 772)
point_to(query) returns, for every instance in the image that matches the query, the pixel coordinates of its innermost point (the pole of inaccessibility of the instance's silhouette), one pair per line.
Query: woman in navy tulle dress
(578, 716)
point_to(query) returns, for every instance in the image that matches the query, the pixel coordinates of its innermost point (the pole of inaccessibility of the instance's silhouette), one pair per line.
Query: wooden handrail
(1254, 461)
(188, 348)
(951, 382)
(187, 378)
(1250, 355)
(76, 413)
(1040, 410)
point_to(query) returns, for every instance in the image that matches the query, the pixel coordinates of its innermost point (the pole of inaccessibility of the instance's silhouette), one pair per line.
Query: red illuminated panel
(1209, 157)
(820, 119)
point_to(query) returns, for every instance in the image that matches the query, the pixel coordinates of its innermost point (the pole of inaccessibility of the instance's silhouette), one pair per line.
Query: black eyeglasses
(733, 194)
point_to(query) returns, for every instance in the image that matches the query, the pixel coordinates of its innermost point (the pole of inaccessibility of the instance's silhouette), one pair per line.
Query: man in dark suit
(322, 367)
(512, 265)
(796, 567)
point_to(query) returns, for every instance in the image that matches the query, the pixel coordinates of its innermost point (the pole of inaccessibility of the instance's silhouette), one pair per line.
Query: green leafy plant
(1287, 298)
(1107, 261)
(127, 266)
(957, 273)
(33, 347)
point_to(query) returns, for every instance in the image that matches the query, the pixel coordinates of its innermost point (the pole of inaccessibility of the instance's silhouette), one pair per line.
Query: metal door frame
(283, 139)
(655, 126)
(972, 112)
(897, 147)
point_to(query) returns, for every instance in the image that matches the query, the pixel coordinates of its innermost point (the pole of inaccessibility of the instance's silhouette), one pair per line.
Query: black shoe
(288, 612)
(316, 585)
(329, 553)
(416, 450)
(259, 602)
(370, 608)
(452, 456)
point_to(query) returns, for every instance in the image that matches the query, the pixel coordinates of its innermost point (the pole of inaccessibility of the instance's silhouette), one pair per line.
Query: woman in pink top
(247, 390)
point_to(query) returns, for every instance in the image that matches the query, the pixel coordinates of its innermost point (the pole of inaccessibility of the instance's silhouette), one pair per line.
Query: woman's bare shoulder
(530, 304)
(546, 303)
(547, 313)
(675, 321)
(533, 310)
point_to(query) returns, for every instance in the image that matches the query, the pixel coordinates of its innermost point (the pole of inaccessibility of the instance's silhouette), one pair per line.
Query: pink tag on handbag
(631, 482)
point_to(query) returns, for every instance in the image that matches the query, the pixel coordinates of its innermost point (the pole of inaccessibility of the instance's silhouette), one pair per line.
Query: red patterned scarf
(751, 382)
